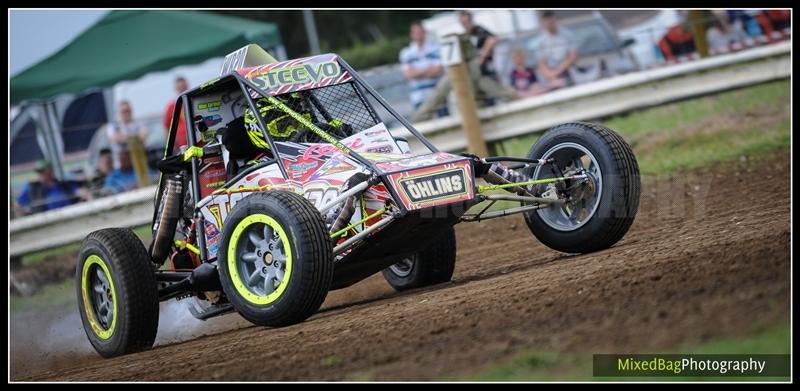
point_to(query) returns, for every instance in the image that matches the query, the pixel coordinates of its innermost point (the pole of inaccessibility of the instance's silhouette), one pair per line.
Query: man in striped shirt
(421, 64)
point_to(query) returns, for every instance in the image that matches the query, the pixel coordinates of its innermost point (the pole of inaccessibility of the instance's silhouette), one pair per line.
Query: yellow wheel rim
(259, 259)
(88, 290)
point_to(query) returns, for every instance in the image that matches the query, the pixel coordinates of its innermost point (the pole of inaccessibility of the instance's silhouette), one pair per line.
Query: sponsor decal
(210, 106)
(297, 74)
(386, 148)
(435, 186)
(209, 83)
(212, 120)
(212, 236)
(318, 151)
(299, 169)
(331, 167)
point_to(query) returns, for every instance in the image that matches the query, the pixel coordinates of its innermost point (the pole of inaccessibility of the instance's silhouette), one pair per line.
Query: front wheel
(117, 292)
(599, 209)
(275, 258)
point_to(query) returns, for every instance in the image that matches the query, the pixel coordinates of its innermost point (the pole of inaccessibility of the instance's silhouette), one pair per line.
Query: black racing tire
(430, 266)
(130, 288)
(307, 274)
(618, 199)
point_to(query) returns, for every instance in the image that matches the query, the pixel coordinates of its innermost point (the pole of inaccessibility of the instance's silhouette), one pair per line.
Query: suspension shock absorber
(339, 217)
(496, 173)
(169, 211)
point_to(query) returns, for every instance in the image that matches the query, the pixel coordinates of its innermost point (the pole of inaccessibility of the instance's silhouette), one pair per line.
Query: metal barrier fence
(593, 100)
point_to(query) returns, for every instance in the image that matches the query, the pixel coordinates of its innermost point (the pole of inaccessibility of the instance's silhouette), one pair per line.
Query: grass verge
(549, 366)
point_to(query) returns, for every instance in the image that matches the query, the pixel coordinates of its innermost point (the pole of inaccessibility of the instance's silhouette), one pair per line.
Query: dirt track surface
(708, 256)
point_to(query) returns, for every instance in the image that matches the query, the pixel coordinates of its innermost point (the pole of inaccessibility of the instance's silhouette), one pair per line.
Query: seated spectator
(119, 132)
(721, 35)
(523, 77)
(47, 193)
(121, 179)
(678, 41)
(744, 21)
(104, 166)
(774, 21)
(557, 52)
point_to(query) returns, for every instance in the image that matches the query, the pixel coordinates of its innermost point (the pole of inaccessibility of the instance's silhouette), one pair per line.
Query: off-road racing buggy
(268, 231)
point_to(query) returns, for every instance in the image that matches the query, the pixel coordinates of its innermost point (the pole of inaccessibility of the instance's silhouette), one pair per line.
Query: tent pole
(50, 142)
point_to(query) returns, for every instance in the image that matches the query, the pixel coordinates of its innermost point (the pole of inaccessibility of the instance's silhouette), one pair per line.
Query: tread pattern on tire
(137, 289)
(626, 197)
(318, 246)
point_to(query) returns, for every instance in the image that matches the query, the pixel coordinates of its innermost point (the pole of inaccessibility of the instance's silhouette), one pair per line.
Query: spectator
(484, 42)
(119, 132)
(121, 179)
(557, 53)
(721, 35)
(181, 85)
(774, 21)
(523, 77)
(422, 66)
(47, 193)
(105, 165)
(678, 41)
(486, 85)
(742, 20)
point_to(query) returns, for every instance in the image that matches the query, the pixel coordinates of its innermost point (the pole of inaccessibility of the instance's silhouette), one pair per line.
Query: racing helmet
(280, 124)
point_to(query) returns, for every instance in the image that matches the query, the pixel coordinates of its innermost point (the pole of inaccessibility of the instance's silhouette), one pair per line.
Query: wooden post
(454, 56)
(698, 24)
(138, 160)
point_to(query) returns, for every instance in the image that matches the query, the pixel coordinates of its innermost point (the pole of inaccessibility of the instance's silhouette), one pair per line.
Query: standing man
(557, 51)
(119, 132)
(422, 66)
(181, 85)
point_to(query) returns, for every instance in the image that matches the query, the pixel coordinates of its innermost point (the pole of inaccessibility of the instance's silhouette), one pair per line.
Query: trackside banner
(692, 365)
(297, 75)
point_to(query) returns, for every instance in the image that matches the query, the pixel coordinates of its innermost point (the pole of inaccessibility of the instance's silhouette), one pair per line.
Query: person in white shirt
(557, 52)
(421, 64)
(119, 132)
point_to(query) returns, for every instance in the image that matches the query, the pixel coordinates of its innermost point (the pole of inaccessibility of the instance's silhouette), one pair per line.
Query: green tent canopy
(125, 45)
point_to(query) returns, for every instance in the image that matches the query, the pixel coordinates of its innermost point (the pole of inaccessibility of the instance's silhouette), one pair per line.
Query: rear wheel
(601, 208)
(117, 292)
(433, 265)
(275, 259)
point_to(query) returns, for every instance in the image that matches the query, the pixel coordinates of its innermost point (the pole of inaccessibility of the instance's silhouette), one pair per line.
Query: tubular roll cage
(245, 85)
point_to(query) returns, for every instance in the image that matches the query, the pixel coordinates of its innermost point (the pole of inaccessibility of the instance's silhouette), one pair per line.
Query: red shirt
(180, 137)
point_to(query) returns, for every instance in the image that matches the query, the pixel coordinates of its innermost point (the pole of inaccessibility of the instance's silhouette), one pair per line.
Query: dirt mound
(707, 257)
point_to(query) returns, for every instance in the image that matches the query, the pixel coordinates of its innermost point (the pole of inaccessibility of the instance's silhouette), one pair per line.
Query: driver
(280, 125)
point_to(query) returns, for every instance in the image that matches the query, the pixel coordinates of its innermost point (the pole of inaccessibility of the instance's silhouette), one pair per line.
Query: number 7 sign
(450, 50)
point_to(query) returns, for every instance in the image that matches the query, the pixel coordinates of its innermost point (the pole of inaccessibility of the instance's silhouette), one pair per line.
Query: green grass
(548, 366)
(699, 131)
(51, 296)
